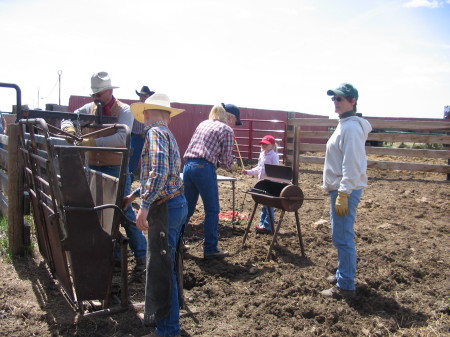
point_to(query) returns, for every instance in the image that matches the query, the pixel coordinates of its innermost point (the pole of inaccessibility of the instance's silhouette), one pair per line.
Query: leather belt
(167, 198)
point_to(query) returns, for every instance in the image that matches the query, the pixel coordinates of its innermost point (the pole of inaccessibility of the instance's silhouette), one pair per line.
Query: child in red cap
(268, 155)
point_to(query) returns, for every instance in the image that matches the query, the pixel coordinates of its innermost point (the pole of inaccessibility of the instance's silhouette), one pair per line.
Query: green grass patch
(4, 243)
(4, 238)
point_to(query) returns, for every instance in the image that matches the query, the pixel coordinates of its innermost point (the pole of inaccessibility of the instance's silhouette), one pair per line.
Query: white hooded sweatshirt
(345, 159)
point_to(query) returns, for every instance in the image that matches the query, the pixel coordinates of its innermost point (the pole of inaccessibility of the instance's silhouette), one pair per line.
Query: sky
(278, 55)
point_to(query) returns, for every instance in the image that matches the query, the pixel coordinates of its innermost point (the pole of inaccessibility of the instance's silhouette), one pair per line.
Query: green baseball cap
(344, 90)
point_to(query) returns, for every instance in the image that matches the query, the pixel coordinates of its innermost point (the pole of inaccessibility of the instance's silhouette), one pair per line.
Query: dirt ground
(403, 280)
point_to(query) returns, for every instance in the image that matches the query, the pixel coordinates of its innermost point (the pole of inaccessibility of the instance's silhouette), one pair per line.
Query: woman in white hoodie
(344, 177)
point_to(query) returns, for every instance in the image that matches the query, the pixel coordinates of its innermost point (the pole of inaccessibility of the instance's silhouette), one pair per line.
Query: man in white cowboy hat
(109, 163)
(138, 134)
(163, 209)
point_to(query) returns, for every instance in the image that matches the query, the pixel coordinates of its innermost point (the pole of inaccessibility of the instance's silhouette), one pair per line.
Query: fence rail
(431, 132)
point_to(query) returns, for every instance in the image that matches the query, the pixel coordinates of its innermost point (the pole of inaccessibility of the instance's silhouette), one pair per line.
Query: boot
(141, 264)
(117, 267)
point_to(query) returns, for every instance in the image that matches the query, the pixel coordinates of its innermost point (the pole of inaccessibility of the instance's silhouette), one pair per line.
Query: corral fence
(418, 132)
(249, 135)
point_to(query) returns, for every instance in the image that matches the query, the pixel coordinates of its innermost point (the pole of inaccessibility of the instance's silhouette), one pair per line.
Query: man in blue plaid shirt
(163, 212)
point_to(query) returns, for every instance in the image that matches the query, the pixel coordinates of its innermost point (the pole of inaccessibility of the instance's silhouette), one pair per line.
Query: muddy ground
(403, 280)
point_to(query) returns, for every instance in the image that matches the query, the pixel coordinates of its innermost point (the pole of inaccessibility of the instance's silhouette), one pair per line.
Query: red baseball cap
(267, 140)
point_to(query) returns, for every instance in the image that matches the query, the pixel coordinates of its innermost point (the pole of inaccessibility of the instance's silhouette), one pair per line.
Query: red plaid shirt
(212, 141)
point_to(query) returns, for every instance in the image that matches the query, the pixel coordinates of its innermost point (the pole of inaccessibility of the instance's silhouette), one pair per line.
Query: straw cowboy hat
(101, 82)
(155, 102)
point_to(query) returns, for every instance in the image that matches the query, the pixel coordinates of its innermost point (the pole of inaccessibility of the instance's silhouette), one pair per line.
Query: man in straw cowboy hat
(162, 211)
(109, 163)
(212, 142)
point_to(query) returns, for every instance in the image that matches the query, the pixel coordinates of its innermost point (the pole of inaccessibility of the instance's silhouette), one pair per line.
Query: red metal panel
(256, 124)
(251, 132)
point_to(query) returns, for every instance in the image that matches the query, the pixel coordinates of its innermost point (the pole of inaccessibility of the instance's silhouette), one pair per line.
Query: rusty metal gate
(77, 214)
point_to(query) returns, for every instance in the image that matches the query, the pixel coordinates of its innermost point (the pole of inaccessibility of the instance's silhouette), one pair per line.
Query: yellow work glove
(88, 142)
(342, 204)
(70, 129)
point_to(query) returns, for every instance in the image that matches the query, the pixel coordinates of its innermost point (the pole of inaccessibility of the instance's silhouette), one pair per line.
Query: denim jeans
(200, 178)
(343, 235)
(137, 143)
(170, 326)
(138, 243)
(265, 217)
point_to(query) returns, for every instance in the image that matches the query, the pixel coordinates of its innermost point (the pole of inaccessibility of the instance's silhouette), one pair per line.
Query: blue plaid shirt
(161, 161)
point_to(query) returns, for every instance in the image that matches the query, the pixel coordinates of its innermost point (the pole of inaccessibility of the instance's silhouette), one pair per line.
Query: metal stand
(274, 238)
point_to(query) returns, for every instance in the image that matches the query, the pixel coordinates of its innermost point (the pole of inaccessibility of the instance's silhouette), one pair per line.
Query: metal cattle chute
(77, 214)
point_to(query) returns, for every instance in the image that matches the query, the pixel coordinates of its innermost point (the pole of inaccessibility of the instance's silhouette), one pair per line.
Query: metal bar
(124, 299)
(68, 115)
(18, 98)
(64, 133)
(84, 148)
(111, 311)
(280, 198)
(102, 130)
(299, 233)
(99, 208)
(249, 224)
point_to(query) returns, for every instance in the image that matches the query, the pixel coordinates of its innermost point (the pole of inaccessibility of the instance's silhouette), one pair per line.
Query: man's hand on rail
(71, 130)
(127, 200)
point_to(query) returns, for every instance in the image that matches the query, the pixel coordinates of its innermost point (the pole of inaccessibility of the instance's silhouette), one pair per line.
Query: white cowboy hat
(100, 82)
(156, 101)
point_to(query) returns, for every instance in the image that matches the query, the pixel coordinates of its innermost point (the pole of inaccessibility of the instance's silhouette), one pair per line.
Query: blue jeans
(265, 217)
(200, 178)
(343, 235)
(170, 326)
(138, 243)
(137, 143)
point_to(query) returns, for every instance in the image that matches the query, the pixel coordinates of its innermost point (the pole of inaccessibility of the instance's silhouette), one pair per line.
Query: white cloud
(425, 3)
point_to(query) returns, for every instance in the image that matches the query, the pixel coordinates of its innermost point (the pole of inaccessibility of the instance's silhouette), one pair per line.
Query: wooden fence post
(15, 193)
(295, 162)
